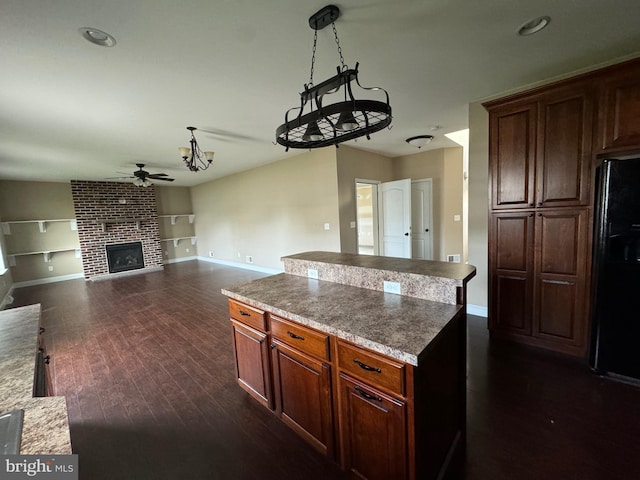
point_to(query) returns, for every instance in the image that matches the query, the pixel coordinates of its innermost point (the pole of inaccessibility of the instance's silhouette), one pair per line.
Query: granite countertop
(455, 271)
(395, 325)
(46, 425)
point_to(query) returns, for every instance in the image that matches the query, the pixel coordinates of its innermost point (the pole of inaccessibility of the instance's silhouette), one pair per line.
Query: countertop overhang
(399, 326)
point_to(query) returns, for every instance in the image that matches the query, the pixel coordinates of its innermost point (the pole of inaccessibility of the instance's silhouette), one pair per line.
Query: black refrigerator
(615, 339)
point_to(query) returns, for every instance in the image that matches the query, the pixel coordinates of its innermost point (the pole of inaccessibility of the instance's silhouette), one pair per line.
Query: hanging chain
(335, 32)
(313, 56)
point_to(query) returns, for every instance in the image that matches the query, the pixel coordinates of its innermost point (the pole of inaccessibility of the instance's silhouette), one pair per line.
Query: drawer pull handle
(366, 367)
(366, 395)
(47, 359)
(244, 314)
(293, 335)
(42, 330)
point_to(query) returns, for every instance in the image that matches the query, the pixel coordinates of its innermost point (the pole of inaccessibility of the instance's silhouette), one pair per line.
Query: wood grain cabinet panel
(303, 395)
(251, 355)
(619, 119)
(563, 155)
(561, 278)
(374, 436)
(512, 156)
(511, 281)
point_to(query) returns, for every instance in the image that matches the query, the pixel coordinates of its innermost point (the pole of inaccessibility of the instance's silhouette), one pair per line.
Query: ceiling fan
(142, 178)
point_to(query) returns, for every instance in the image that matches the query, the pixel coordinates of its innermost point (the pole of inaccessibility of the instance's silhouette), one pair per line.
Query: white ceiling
(73, 110)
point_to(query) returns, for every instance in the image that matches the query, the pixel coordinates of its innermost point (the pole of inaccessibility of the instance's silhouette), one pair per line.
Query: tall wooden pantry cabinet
(544, 146)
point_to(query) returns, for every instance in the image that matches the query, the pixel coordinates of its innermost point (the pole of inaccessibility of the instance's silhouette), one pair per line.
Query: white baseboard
(246, 266)
(8, 299)
(477, 310)
(41, 281)
(181, 259)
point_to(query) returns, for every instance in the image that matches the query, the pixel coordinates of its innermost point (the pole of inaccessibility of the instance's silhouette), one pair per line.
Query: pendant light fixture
(194, 158)
(318, 123)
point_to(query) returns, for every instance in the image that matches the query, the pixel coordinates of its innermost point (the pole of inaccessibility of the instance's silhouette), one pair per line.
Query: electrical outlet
(211, 253)
(391, 287)
(327, 226)
(50, 268)
(186, 250)
(312, 273)
(249, 259)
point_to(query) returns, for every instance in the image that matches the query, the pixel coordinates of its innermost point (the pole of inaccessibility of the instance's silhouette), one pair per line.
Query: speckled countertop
(426, 279)
(46, 426)
(395, 325)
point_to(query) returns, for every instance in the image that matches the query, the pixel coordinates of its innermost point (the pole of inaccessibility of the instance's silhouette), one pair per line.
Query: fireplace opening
(125, 256)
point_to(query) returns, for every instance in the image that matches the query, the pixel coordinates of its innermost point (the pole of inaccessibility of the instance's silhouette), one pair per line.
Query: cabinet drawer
(368, 366)
(300, 337)
(248, 315)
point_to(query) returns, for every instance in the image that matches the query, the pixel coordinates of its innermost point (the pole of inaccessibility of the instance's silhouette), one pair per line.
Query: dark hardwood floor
(145, 363)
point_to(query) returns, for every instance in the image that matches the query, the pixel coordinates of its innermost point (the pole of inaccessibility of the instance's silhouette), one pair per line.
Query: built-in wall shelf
(42, 224)
(175, 217)
(46, 254)
(176, 240)
(111, 221)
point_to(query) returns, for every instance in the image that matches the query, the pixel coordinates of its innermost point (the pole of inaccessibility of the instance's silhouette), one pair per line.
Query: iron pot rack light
(332, 124)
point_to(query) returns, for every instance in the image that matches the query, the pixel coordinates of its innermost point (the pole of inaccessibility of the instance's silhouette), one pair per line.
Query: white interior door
(421, 213)
(395, 218)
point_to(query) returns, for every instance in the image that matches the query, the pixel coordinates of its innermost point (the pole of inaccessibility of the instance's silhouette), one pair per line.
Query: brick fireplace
(110, 213)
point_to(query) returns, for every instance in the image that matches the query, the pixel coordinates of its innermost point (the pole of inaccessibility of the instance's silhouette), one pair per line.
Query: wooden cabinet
(541, 177)
(373, 413)
(373, 435)
(380, 418)
(302, 382)
(251, 352)
(540, 151)
(619, 116)
(538, 280)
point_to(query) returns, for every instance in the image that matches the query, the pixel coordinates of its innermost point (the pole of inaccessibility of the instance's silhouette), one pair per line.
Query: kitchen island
(46, 427)
(374, 380)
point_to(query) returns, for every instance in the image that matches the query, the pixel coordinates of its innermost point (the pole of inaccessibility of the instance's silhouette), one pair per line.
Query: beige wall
(356, 164)
(175, 201)
(478, 203)
(270, 211)
(39, 201)
(444, 167)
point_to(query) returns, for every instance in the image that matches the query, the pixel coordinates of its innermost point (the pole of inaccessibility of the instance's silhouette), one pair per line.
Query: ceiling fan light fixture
(194, 158)
(419, 140)
(317, 122)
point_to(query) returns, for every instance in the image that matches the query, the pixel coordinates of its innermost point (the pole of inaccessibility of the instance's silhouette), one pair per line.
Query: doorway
(407, 208)
(367, 216)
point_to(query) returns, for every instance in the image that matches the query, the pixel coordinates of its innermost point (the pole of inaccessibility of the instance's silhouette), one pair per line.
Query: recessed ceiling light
(533, 26)
(97, 37)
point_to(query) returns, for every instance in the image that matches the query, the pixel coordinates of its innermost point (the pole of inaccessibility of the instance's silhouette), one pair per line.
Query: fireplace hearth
(124, 257)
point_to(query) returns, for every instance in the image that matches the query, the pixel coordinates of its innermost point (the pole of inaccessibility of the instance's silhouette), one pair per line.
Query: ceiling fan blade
(118, 178)
(157, 175)
(162, 178)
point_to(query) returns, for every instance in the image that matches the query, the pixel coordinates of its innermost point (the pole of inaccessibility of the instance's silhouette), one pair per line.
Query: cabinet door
(560, 288)
(373, 434)
(303, 395)
(512, 143)
(251, 350)
(563, 156)
(619, 125)
(511, 272)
